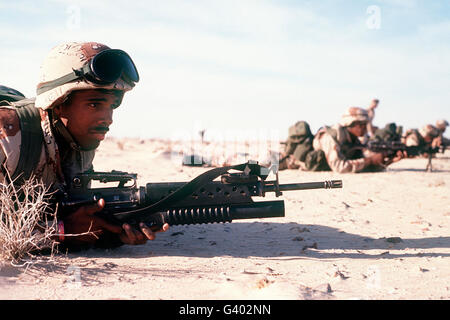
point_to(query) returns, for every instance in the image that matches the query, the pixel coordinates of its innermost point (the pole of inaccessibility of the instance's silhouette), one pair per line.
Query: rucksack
(300, 145)
(299, 141)
(10, 94)
(391, 132)
(32, 137)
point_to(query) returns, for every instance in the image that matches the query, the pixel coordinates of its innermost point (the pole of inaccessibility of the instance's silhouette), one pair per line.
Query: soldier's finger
(147, 231)
(163, 228)
(96, 207)
(106, 225)
(130, 233)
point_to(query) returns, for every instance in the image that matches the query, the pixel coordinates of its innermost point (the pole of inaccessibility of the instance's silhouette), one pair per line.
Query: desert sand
(382, 236)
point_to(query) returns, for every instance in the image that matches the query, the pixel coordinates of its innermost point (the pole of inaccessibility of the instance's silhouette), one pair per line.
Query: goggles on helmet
(106, 67)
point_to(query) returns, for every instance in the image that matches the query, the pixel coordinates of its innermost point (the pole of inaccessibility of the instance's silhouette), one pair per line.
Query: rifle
(390, 149)
(201, 200)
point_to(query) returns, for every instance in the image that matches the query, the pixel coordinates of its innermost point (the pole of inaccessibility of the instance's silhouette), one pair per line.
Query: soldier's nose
(107, 119)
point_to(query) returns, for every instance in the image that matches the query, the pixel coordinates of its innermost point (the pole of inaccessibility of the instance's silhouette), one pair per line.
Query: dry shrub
(26, 221)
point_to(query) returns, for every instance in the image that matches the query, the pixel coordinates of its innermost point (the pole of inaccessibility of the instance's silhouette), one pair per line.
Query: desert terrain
(382, 236)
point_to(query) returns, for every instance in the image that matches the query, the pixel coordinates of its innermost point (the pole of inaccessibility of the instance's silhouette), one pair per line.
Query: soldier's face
(358, 129)
(87, 115)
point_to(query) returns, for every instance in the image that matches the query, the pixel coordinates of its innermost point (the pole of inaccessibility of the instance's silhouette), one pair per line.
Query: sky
(247, 68)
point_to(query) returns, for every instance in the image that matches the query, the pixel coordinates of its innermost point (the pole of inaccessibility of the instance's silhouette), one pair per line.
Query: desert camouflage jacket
(413, 138)
(335, 143)
(58, 162)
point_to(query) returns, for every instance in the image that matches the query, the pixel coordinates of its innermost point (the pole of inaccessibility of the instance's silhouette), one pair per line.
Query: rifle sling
(191, 186)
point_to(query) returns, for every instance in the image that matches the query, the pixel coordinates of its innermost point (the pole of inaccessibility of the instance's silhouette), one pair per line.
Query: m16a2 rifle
(390, 149)
(201, 200)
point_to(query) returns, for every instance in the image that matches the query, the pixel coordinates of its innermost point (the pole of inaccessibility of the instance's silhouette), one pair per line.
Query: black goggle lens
(108, 66)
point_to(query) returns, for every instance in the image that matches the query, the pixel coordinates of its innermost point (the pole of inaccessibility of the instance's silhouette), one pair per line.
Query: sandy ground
(383, 236)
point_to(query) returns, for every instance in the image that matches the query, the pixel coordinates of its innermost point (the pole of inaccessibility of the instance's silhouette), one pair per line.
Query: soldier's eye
(93, 105)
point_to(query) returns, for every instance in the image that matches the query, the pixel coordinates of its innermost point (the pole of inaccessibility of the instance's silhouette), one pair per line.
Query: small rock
(394, 240)
(263, 283)
(329, 290)
(340, 274)
(313, 246)
(346, 205)
(297, 239)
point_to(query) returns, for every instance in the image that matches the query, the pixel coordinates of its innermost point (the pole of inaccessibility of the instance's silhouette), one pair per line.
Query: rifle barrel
(331, 184)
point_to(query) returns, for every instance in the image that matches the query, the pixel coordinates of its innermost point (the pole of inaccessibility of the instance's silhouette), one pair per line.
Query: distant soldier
(10, 94)
(371, 113)
(424, 138)
(342, 147)
(371, 129)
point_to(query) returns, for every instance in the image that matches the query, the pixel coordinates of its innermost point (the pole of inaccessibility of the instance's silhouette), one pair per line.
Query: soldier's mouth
(99, 132)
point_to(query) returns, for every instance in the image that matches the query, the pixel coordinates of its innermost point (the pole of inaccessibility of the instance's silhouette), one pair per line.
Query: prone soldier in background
(342, 148)
(426, 138)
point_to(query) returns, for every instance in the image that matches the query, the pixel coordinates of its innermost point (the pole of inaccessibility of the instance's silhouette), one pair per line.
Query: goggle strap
(75, 74)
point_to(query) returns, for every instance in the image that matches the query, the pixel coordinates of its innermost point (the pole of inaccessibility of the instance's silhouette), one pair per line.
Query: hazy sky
(248, 67)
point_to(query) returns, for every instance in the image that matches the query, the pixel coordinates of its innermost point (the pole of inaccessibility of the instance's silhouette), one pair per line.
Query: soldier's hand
(132, 236)
(437, 142)
(399, 156)
(83, 227)
(375, 159)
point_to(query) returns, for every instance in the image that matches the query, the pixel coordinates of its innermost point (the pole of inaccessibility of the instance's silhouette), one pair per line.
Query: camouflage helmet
(429, 130)
(64, 59)
(10, 94)
(354, 114)
(441, 124)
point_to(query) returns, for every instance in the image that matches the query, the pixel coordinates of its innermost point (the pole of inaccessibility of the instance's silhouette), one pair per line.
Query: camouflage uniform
(49, 168)
(417, 138)
(441, 125)
(343, 151)
(60, 157)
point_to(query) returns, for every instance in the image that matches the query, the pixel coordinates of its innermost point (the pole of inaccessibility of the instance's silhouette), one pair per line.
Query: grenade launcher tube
(212, 214)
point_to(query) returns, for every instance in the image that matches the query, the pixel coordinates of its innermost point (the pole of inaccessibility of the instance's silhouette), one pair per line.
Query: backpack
(299, 141)
(391, 132)
(9, 94)
(32, 137)
(299, 144)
